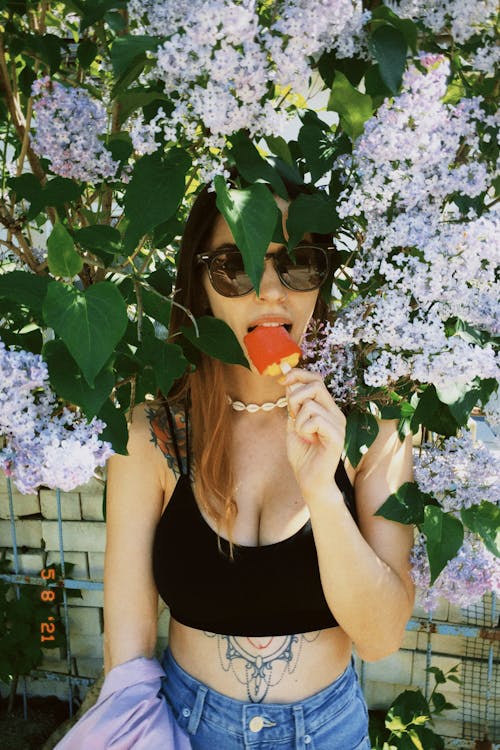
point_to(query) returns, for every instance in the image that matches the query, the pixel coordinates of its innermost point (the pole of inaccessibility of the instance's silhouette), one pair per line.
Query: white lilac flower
(67, 130)
(45, 446)
(461, 18)
(471, 574)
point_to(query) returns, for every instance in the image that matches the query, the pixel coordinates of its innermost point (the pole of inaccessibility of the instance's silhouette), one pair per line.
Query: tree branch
(23, 250)
(18, 116)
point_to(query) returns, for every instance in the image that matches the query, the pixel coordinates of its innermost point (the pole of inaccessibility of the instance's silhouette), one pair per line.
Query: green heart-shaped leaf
(484, 520)
(24, 287)
(90, 323)
(252, 215)
(389, 47)
(116, 430)
(361, 431)
(406, 505)
(62, 257)
(216, 339)
(444, 536)
(311, 213)
(353, 107)
(252, 166)
(154, 192)
(168, 361)
(69, 382)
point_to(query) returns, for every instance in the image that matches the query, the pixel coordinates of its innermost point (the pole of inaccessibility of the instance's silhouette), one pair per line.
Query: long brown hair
(203, 389)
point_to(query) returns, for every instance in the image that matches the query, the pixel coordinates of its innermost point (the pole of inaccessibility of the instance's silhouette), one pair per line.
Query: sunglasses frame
(206, 259)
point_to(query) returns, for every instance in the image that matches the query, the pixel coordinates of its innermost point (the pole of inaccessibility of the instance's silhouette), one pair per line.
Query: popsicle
(272, 350)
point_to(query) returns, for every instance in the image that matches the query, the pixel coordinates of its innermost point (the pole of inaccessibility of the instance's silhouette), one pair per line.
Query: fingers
(303, 387)
(297, 375)
(314, 420)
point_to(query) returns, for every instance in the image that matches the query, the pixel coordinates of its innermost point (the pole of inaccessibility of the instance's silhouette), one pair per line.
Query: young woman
(259, 537)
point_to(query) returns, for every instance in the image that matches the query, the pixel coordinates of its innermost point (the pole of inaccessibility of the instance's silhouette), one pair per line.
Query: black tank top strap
(346, 487)
(173, 436)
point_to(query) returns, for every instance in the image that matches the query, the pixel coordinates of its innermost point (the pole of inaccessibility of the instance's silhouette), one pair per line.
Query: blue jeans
(336, 718)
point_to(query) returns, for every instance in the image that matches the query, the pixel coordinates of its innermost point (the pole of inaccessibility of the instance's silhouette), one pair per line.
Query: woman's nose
(270, 283)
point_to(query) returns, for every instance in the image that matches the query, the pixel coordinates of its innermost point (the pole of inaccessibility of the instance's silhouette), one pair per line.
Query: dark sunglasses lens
(228, 275)
(307, 271)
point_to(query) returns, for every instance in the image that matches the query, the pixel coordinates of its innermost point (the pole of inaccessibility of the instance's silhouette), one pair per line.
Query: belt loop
(194, 719)
(298, 715)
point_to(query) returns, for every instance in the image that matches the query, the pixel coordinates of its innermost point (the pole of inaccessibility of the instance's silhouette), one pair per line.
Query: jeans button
(307, 739)
(256, 723)
(186, 712)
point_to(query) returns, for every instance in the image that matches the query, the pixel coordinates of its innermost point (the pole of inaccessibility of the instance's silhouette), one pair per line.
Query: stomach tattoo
(260, 662)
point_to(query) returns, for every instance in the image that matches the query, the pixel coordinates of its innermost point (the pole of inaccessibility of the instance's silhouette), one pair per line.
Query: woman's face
(275, 303)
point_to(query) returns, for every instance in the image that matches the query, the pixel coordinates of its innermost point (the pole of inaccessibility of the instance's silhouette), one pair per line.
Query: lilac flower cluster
(335, 362)
(471, 574)
(225, 66)
(492, 413)
(459, 474)
(307, 28)
(67, 131)
(57, 449)
(461, 18)
(219, 70)
(435, 264)
(487, 58)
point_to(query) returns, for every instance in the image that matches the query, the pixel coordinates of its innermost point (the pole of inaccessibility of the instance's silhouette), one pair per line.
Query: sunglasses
(305, 271)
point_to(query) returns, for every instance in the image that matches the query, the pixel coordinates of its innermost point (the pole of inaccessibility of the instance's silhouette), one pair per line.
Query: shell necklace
(252, 408)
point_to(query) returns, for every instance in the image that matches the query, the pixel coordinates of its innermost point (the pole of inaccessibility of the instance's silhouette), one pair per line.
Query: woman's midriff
(271, 669)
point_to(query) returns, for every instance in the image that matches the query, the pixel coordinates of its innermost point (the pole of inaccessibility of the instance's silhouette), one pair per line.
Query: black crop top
(272, 589)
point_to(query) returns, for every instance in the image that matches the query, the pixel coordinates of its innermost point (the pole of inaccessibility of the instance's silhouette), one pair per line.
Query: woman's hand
(316, 432)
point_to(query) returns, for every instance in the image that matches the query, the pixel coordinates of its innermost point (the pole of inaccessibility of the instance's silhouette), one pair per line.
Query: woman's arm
(364, 571)
(136, 488)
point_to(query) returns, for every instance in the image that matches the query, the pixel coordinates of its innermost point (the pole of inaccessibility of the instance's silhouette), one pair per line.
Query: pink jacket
(130, 714)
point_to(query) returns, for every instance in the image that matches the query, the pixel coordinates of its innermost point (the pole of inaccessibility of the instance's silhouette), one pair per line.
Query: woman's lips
(271, 323)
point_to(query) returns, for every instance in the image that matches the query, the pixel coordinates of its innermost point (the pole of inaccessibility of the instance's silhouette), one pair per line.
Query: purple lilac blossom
(471, 574)
(45, 445)
(334, 360)
(431, 259)
(487, 58)
(460, 474)
(67, 130)
(492, 412)
(222, 64)
(461, 18)
(307, 28)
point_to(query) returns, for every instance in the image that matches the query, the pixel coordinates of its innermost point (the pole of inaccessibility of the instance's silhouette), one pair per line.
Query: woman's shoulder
(389, 451)
(165, 425)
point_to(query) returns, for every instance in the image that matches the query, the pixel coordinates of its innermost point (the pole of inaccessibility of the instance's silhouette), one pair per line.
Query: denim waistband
(224, 712)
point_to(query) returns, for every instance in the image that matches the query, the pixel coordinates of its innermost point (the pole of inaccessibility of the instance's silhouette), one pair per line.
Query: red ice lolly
(272, 349)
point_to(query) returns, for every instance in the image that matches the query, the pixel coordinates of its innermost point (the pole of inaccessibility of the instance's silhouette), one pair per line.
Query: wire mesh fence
(481, 686)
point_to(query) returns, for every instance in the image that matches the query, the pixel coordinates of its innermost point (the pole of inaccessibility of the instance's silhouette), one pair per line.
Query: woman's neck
(248, 387)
